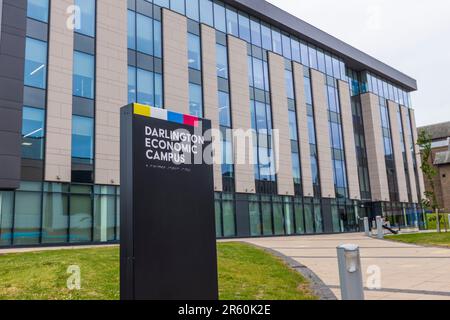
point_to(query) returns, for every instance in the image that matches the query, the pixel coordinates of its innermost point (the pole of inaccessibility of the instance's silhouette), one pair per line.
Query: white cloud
(410, 35)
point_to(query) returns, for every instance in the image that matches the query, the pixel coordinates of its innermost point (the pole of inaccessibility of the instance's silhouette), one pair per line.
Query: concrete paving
(408, 272)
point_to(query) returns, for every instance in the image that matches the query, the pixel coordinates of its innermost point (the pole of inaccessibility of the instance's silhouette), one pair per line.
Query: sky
(413, 36)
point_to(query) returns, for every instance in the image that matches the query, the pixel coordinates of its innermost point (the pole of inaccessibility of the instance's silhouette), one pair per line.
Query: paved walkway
(408, 272)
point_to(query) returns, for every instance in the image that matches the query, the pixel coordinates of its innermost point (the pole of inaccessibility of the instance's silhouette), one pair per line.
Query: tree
(429, 171)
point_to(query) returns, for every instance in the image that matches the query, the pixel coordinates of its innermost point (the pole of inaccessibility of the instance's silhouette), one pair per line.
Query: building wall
(111, 88)
(210, 100)
(409, 158)
(375, 148)
(444, 172)
(58, 150)
(282, 145)
(398, 155)
(349, 141)
(323, 135)
(241, 117)
(303, 134)
(176, 76)
(415, 136)
(12, 53)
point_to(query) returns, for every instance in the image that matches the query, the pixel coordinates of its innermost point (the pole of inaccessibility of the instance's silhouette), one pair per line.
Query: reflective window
(86, 23)
(255, 28)
(289, 84)
(232, 22)
(296, 168)
(81, 216)
(131, 30)
(192, 10)
(292, 125)
(131, 84)
(219, 17)
(206, 12)
(304, 53)
(162, 3)
(276, 41)
(6, 217)
(27, 218)
(35, 63)
(33, 127)
(312, 57)
(227, 155)
(55, 219)
(222, 61)
(38, 9)
(83, 75)
(157, 42)
(295, 50)
(266, 37)
(286, 46)
(195, 100)
(224, 109)
(82, 139)
(158, 91)
(244, 27)
(145, 87)
(321, 61)
(194, 54)
(144, 34)
(258, 73)
(178, 6)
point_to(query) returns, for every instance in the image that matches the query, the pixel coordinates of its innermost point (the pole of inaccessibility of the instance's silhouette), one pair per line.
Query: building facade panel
(210, 99)
(111, 88)
(302, 124)
(282, 143)
(12, 53)
(421, 186)
(176, 72)
(349, 141)
(241, 117)
(409, 158)
(58, 147)
(323, 135)
(398, 153)
(375, 149)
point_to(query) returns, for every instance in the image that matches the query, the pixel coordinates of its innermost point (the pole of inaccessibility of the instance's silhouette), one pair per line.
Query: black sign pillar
(168, 241)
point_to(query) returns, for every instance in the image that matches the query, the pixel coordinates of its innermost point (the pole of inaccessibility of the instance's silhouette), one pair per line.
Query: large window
(194, 54)
(86, 23)
(195, 100)
(38, 9)
(83, 75)
(224, 109)
(222, 61)
(35, 63)
(144, 34)
(33, 133)
(145, 87)
(82, 139)
(206, 12)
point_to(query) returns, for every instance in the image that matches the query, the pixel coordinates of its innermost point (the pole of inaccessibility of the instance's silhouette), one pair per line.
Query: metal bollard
(350, 274)
(380, 232)
(366, 227)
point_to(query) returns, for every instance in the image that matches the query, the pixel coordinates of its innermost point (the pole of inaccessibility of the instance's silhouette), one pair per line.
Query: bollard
(380, 232)
(366, 227)
(350, 274)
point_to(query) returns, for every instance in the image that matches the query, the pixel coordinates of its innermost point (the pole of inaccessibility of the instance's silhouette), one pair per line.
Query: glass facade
(33, 127)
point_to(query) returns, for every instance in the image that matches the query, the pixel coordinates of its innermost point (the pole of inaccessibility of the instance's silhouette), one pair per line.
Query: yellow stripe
(142, 110)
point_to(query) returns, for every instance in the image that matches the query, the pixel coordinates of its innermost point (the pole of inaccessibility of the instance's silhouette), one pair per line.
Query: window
(131, 30)
(219, 17)
(195, 100)
(289, 84)
(244, 27)
(178, 6)
(81, 214)
(55, 217)
(227, 155)
(232, 22)
(276, 41)
(255, 32)
(224, 109)
(86, 25)
(266, 37)
(38, 9)
(145, 87)
(296, 168)
(27, 218)
(194, 55)
(157, 42)
(131, 84)
(144, 34)
(258, 73)
(83, 75)
(293, 125)
(312, 57)
(33, 133)
(192, 10)
(206, 12)
(35, 63)
(295, 50)
(286, 46)
(222, 61)
(82, 139)
(162, 3)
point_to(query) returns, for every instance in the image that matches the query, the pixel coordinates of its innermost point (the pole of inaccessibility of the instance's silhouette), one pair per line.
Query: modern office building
(440, 136)
(345, 120)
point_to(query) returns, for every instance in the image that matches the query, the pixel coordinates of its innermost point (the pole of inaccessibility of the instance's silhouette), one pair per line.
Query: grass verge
(426, 239)
(245, 273)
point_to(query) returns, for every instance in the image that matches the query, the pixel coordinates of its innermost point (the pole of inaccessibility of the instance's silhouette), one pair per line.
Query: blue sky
(413, 36)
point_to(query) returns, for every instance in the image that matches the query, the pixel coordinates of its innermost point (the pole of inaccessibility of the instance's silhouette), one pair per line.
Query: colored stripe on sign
(150, 112)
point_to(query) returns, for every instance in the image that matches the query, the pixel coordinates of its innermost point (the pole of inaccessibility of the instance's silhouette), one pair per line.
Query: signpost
(168, 240)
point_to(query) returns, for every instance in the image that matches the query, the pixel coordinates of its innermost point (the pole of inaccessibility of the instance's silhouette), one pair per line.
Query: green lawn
(427, 239)
(245, 273)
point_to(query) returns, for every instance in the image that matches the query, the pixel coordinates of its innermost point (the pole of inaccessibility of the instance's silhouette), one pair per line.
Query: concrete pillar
(210, 98)
(303, 133)
(241, 117)
(58, 146)
(280, 114)
(349, 141)
(111, 88)
(375, 147)
(323, 134)
(175, 62)
(409, 158)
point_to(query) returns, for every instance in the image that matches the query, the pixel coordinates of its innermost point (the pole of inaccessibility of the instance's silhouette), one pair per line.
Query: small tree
(429, 171)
